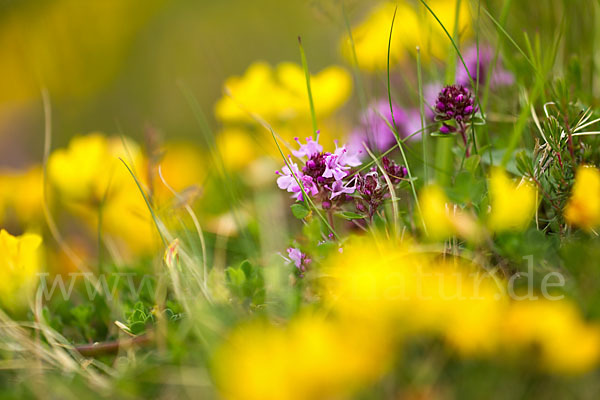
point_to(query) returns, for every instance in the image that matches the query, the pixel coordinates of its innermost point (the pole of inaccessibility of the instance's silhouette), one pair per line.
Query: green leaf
(137, 327)
(235, 276)
(524, 163)
(246, 283)
(472, 163)
(299, 210)
(351, 215)
(467, 188)
(247, 268)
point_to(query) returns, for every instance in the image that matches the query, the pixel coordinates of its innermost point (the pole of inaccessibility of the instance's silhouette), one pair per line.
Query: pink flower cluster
(323, 173)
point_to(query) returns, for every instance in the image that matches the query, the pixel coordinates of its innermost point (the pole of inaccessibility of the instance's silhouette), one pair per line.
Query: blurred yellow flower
(184, 167)
(4, 195)
(512, 205)
(311, 358)
(370, 279)
(19, 264)
(413, 27)
(21, 196)
(89, 168)
(236, 147)
(89, 175)
(393, 285)
(566, 344)
(29, 194)
(279, 94)
(444, 219)
(398, 289)
(583, 208)
(129, 225)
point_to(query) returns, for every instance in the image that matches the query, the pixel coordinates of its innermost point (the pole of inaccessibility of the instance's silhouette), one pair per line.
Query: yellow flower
(89, 174)
(183, 167)
(444, 219)
(311, 358)
(412, 28)
(21, 195)
(566, 344)
(90, 167)
(19, 263)
(512, 205)
(128, 222)
(4, 196)
(236, 147)
(28, 194)
(279, 95)
(398, 289)
(583, 208)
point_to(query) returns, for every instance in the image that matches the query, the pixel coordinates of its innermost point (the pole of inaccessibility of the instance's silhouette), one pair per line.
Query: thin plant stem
(424, 137)
(395, 130)
(311, 103)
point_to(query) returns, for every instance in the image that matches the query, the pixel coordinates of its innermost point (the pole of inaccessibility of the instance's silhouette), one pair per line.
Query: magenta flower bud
(454, 102)
(326, 205)
(445, 129)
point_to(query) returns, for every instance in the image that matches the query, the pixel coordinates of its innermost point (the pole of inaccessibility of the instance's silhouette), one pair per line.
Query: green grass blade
(389, 86)
(451, 62)
(313, 114)
(150, 208)
(360, 87)
(394, 130)
(424, 134)
(511, 40)
(232, 196)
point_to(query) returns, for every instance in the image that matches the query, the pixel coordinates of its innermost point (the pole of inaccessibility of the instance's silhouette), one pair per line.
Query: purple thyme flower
(338, 187)
(310, 187)
(454, 102)
(370, 184)
(395, 172)
(373, 189)
(299, 259)
(309, 149)
(371, 193)
(322, 175)
(346, 156)
(338, 163)
(374, 130)
(287, 181)
(315, 167)
(333, 168)
(499, 77)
